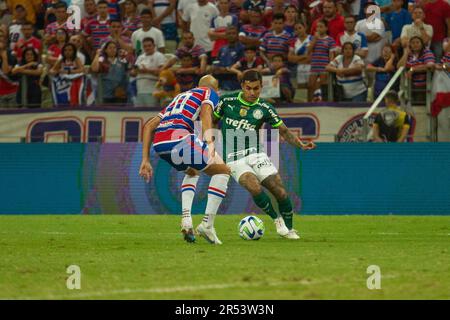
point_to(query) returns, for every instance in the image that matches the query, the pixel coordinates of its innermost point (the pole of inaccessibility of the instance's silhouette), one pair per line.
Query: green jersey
(241, 121)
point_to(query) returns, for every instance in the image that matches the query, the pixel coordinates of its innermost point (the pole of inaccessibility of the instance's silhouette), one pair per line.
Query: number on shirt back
(180, 102)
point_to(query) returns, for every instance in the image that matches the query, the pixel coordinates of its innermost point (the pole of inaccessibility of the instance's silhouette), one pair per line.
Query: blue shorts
(190, 152)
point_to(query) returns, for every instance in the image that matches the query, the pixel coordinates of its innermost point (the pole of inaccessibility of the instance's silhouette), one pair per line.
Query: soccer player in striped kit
(172, 133)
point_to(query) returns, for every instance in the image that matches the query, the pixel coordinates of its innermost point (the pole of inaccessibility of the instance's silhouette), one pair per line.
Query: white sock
(216, 192)
(187, 197)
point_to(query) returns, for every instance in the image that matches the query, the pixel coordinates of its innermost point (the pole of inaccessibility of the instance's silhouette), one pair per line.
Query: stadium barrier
(336, 178)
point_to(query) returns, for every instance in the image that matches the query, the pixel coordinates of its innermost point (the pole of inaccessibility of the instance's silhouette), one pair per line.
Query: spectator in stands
(60, 23)
(374, 33)
(146, 69)
(69, 62)
(278, 69)
(181, 8)
(199, 16)
(291, 17)
(219, 24)
(397, 18)
(322, 50)
(250, 61)
(90, 9)
(123, 41)
(77, 40)
(187, 73)
(164, 17)
(392, 124)
(437, 14)
(15, 27)
(418, 28)
(113, 9)
(248, 5)
(147, 31)
(31, 70)
(131, 21)
(28, 40)
(227, 57)
(445, 61)
(384, 68)
(348, 68)
(298, 54)
(251, 34)
(54, 50)
(274, 7)
(418, 60)
(112, 72)
(32, 7)
(358, 39)
(197, 53)
(276, 41)
(97, 30)
(8, 82)
(334, 21)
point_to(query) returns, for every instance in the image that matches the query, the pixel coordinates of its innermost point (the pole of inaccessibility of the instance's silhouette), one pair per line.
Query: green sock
(285, 207)
(262, 200)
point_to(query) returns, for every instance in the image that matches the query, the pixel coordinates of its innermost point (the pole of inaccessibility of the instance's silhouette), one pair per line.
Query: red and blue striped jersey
(180, 114)
(276, 43)
(321, 53)
(419, 79)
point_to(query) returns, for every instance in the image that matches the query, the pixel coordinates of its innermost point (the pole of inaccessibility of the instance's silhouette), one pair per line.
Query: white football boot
(187, 229)
(208, 233)
(292, 235)
(282, 230)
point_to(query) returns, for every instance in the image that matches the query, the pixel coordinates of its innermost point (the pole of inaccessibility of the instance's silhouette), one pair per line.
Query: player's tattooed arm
(146, 170)
(293, 140)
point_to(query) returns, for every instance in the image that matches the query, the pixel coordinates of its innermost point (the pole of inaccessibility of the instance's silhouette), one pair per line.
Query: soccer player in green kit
(242, 115)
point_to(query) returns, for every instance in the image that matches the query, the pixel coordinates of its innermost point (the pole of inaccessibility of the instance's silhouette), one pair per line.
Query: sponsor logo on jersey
(240, 124)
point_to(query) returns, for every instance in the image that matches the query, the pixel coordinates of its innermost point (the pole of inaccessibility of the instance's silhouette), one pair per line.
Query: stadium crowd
(144, 52)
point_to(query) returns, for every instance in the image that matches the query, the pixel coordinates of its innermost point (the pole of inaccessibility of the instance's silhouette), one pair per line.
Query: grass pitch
(144, 257)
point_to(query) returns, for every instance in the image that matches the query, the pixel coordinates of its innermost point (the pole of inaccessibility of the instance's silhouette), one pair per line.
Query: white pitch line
(160, 290)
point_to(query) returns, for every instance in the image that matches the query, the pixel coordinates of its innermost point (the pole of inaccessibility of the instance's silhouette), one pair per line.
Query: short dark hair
(251, 76)
(278, 56)
(146, 11)
(392, 96)
(115, 20)
(278, 16)
(21, 7)
(250, 48)
(255, 9)
(28, 23)
(323, 21)
(102, 2)
(60, 5)
(148, 39)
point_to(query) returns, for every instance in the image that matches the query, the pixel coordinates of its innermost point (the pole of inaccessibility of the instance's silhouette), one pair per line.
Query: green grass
(144, 257)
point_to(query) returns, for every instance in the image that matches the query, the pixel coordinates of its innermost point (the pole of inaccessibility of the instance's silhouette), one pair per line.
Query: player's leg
(188, 189)
(217, 189)
(275, 185)
(244, 174)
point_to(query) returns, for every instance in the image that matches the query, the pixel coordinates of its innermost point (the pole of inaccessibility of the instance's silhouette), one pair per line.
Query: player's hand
(307, 145)
(146, 170)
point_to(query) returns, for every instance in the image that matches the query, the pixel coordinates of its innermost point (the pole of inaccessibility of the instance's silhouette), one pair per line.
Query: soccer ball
(251, 228)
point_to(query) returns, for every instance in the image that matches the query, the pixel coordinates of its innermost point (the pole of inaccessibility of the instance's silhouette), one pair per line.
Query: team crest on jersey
(257, 114)
(243, 111)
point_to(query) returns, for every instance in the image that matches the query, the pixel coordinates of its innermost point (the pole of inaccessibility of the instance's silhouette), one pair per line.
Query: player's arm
(206, 115)
(376, 133)
(146, 170)
(292, 139)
